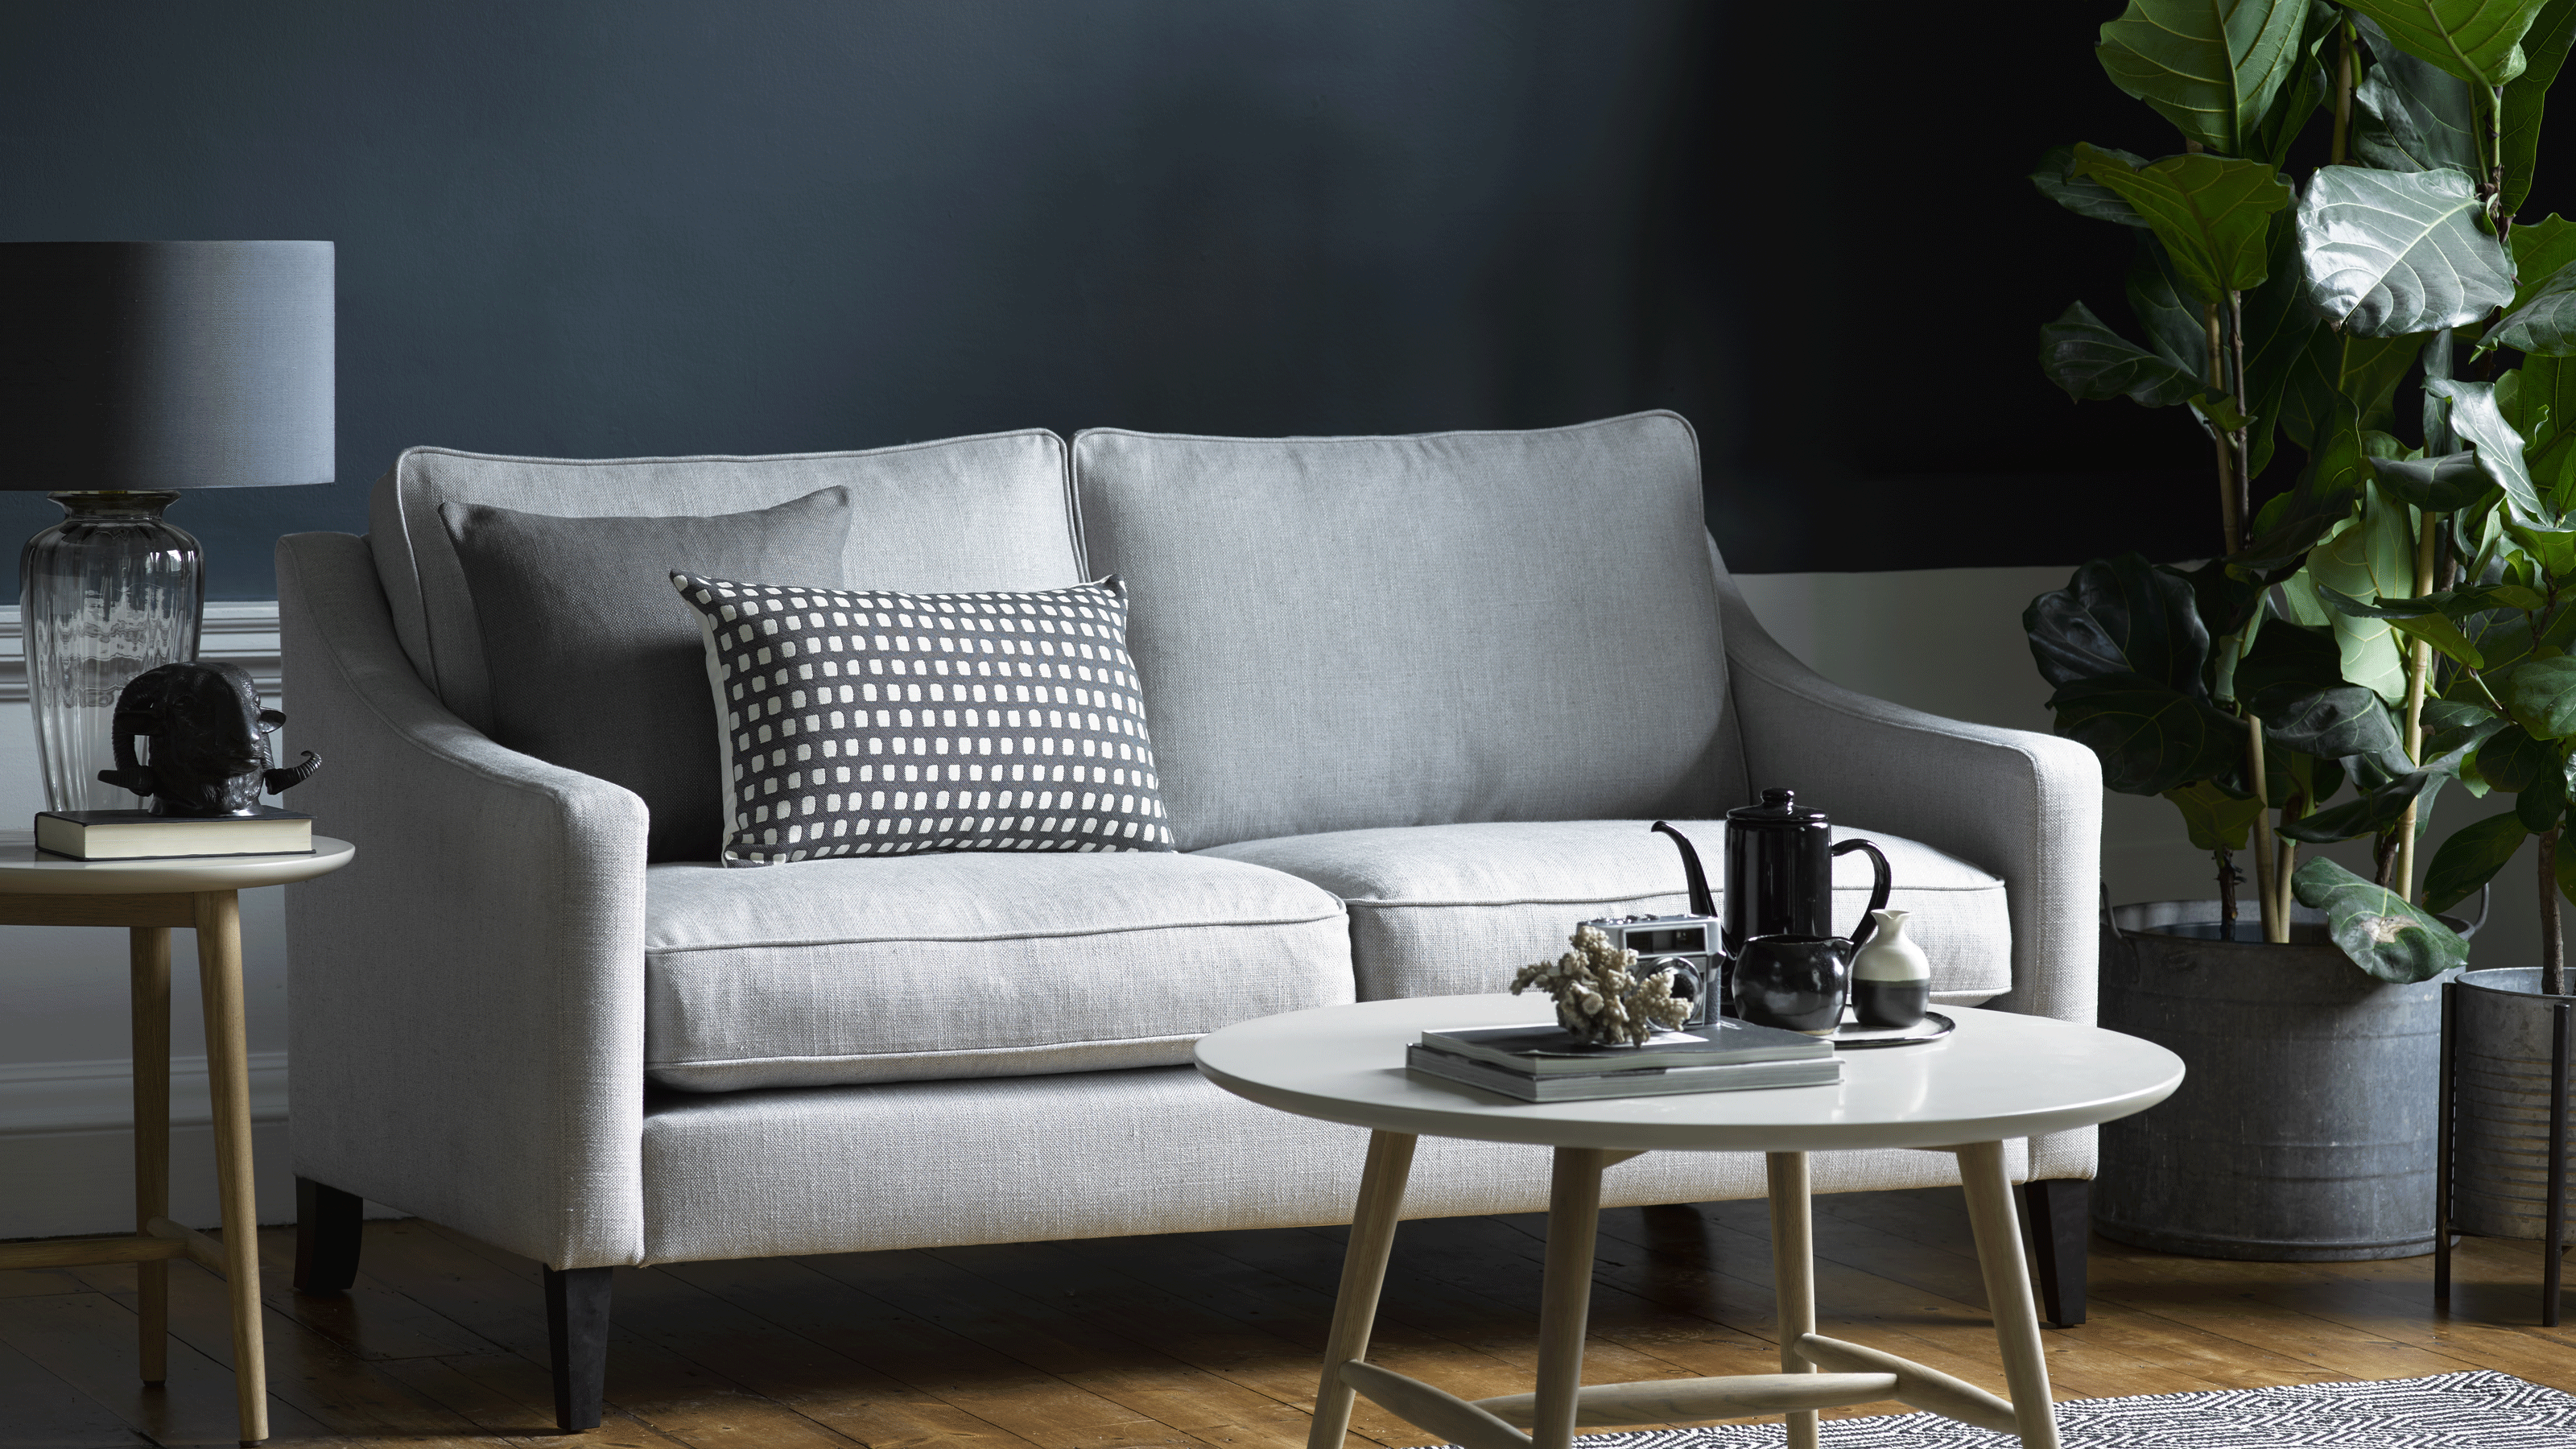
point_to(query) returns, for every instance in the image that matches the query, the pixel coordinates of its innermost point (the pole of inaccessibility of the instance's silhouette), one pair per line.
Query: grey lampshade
(151, 365)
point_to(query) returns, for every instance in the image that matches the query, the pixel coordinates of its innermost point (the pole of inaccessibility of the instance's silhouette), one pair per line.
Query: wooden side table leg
(228, 1075)
(1793, 1275)
(1999, 1257)
(149, 950)
(1381, 1202)
(1565, 1300)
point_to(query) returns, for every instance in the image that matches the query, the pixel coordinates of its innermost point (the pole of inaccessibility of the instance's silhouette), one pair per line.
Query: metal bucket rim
(2465, 928)
(2469, 980)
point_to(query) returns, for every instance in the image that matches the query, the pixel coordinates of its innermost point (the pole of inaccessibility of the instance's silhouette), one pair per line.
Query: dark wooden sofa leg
(577, 1332)
(330, 1227)
(2061, 1228)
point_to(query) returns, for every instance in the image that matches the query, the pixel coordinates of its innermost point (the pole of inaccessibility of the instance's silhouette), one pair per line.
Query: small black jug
(1780, 872)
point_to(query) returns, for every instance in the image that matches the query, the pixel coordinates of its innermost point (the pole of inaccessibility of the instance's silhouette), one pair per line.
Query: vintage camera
(1687, 944)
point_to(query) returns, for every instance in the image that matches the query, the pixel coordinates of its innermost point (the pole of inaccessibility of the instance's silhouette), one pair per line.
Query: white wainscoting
(1944, 640)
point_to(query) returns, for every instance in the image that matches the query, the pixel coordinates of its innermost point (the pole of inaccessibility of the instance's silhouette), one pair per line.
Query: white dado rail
(242, 632)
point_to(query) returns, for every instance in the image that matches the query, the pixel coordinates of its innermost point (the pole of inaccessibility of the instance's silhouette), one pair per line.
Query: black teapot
(1780, 873)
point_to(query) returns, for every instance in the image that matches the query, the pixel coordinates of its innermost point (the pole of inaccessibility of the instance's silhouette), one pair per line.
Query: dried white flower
(1598, 996)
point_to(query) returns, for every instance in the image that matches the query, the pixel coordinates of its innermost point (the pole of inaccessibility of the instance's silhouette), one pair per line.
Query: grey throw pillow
(866, 723)
(596, 667)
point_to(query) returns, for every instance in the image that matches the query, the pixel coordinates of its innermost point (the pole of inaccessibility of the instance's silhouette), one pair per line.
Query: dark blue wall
(627, 227)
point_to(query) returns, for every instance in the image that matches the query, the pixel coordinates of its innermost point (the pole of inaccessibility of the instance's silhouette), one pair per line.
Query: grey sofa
(1414, 701)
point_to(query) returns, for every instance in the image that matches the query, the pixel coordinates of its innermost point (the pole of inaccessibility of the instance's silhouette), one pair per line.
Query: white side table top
(26, 871)
(2000, 1075)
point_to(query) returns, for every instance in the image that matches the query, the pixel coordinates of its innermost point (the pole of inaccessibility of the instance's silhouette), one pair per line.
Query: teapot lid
(1778, 807)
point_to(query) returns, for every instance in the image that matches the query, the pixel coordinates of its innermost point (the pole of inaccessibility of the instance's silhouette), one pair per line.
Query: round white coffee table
(149, 897)
(1999, 1076)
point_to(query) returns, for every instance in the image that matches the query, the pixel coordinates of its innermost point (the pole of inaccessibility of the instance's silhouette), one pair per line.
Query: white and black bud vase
(1891, 981)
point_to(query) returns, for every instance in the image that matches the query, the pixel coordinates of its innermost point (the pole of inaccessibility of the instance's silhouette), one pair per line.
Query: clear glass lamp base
(109, 592)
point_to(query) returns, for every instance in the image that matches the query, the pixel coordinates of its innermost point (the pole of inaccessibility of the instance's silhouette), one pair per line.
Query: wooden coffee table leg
(1381, 1202)
(219, 978)
(1565, 1299)
(1999, 1256)
(1793, 1275)
(149, 950)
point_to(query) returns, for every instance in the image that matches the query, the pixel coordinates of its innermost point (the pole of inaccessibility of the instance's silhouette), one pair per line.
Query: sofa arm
(2025, 806)
(466, 1000)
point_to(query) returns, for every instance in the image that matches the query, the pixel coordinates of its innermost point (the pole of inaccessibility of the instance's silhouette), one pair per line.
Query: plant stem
(2266, 892)
(2553, 945)
(2226, 481)
(2287, 866)
(2343, 96)
(2227, 878)
(2419, 668)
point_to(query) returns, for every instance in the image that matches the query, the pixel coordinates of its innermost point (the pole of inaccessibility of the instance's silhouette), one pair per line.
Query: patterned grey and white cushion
(876, 723)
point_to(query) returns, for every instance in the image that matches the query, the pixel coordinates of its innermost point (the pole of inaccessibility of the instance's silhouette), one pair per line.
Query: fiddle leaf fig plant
(2396, 618)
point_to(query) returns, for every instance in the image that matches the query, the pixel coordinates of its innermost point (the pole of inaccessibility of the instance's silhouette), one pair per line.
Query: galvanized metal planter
(2505, 1101)
(2306, 1130)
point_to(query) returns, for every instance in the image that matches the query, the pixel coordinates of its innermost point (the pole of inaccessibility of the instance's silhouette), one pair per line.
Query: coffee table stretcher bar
(148, 898)
(1816, 1372)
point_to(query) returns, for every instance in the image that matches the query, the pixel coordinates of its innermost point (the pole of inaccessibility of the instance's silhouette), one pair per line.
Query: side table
(1999, 1076)
(148, 898)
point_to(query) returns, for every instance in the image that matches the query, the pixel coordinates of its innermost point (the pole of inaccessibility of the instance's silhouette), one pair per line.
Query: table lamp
(130, 371)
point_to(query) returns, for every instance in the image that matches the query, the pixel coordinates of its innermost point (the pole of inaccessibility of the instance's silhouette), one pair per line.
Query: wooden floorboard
(1185, 1340)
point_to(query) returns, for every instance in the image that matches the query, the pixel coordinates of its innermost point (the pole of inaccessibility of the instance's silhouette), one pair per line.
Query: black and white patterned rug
(2448, 1411)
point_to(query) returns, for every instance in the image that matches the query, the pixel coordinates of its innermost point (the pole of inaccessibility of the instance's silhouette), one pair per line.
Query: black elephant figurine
(209, 742)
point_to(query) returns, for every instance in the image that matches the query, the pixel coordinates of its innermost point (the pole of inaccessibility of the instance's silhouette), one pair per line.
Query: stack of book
(1545, 1064)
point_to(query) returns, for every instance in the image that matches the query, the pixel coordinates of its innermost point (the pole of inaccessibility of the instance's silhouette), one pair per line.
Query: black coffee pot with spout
(1780, 873)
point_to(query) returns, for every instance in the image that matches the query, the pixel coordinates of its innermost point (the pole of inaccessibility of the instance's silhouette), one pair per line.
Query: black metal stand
(2557, 1249)
(2442, 1181)
(2562, 1030)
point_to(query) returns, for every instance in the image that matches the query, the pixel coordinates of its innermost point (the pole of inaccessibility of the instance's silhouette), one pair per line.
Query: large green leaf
(2289, 656)
(2445, 484)
(2539, 400)
(2278, 325)
(2480, 423)
(2336, 722)
(2214, 819)
(2323, 498)
(2511, 759)
(2343, 364)
(2542, 321)
(2149, 736)
(2089, 360)
(2476, 40)
(2411, 115)
(2411, 617)
(2211, 212)
(2471, 858)
(2372, 557)
(2083, 195)
(2540, 249)
(2543, 698)
(2376, 928)
(2372, 813)
(2310, 84)
(2176, 324)
(2394, 252)
(2209, 66)
(2119, 616)
(2545, 48)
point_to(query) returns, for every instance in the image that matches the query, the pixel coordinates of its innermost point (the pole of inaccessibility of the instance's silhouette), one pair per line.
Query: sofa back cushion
(989, 512)
(1346, 633)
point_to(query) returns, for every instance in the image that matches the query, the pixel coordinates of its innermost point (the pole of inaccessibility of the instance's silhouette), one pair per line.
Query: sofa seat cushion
(1441, 910)
(841, 971)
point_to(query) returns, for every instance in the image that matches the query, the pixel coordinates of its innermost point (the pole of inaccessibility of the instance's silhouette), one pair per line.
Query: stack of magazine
(1545, 1064)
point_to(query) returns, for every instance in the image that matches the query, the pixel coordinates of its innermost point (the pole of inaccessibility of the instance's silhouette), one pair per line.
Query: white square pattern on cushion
(864, 722)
